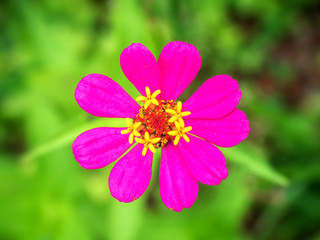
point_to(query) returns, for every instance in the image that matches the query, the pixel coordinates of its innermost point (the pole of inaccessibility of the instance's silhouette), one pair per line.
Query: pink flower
(186, 133)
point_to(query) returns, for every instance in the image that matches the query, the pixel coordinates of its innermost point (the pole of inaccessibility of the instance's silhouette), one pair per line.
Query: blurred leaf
(255, 162)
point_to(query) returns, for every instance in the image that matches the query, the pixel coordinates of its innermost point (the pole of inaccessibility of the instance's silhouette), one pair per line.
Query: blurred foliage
(271, 47)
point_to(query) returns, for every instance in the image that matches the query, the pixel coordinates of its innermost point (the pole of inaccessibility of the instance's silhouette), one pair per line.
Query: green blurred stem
(69, 137)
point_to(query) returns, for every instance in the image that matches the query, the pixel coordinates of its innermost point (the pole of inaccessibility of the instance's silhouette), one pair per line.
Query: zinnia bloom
(187, 133)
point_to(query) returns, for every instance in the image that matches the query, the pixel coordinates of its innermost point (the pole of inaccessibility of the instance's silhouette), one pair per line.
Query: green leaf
(255, 162)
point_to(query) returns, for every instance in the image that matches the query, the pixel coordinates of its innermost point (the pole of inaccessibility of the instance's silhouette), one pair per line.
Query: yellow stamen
(148, 143)
(151, 148)
(131, 136)
(156, 93)
(141, 98)
(147, 104)
(178, 125)
(155, 140)
(180, 132)
(148, 92)
(179, 107)
(125, 131)
(174, 118)
(177, 114)
(132, 129)
(185, 137)
(140, 140)
(181, 122)
(176, 140)
(173, 133)
(171, 111)
(186, 113)
(149, 99)
(147, 136)
(154, 101)
(187, 129)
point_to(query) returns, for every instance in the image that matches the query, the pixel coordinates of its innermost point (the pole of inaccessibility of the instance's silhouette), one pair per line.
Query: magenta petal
(217, 97)
(140, 67)
(179, 64)
(224, 132)
(178, 189)
(98, 147)
(130, 176)
(102, 97)
(204, 161)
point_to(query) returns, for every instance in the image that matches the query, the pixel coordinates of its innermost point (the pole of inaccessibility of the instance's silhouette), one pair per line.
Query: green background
(271, 47)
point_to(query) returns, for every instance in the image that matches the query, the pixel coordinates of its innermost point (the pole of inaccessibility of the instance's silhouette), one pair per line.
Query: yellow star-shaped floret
(177, 114)
(150, 98)
(132, 129)
(148, 143)
(180, 131)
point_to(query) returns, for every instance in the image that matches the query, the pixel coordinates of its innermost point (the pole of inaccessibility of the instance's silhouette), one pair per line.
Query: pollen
(159, 122)
(149, 99)
(132, 129)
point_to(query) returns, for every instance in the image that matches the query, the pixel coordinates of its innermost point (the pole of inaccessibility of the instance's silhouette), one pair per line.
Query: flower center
(155, 121)
(158, 122)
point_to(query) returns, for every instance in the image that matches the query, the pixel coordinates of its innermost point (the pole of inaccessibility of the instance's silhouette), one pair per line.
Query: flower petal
(204, 161)
(179, 64)
(140, 67)
(224, 132)
(98, 147)
(178, 189)
(130, 176)
(217, 97)
(102, 97)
